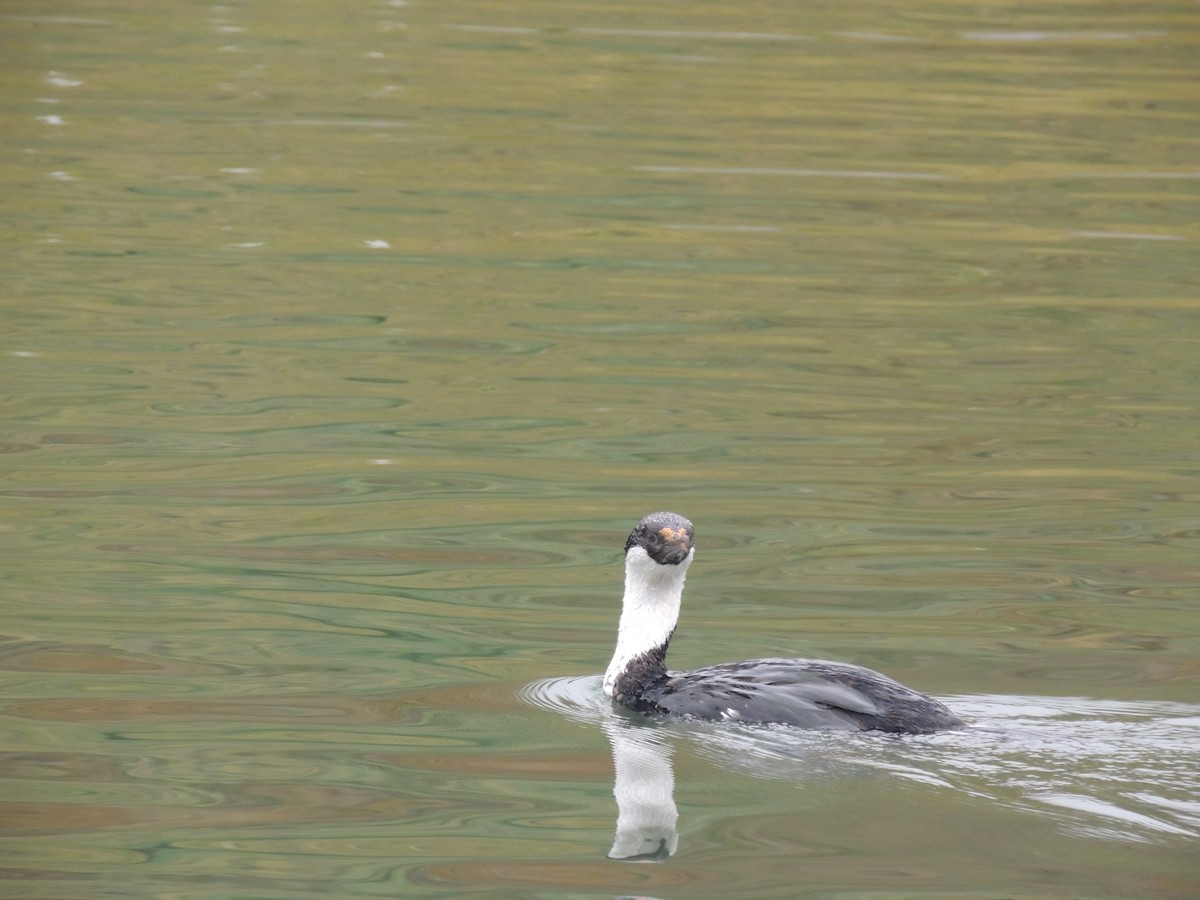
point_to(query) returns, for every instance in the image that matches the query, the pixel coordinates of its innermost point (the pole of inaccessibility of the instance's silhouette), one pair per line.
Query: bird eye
(653, 538)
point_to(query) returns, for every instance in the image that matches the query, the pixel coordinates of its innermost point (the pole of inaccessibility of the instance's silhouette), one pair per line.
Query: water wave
(1125, 770)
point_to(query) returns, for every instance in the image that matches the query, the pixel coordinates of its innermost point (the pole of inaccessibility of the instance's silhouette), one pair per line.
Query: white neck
(649, 611)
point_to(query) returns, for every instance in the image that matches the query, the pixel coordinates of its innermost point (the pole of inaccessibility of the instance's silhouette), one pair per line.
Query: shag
(808, 693)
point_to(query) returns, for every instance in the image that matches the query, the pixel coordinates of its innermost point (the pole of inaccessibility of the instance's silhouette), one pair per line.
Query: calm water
(343, 344)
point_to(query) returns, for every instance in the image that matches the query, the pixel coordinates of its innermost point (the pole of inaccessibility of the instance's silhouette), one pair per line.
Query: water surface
(342, 347)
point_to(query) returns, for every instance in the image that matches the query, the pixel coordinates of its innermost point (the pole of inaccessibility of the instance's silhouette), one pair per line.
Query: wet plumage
(802, 692)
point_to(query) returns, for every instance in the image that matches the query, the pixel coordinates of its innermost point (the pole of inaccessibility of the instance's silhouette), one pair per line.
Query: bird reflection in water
(644, 787)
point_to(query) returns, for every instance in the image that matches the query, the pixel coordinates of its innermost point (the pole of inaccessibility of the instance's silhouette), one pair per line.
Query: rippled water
(1116, 770)
(342, 345)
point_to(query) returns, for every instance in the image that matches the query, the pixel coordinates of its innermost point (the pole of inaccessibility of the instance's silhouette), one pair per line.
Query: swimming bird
(809, 693)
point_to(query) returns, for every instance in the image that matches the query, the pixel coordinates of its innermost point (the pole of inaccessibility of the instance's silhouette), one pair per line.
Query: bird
(806, 693)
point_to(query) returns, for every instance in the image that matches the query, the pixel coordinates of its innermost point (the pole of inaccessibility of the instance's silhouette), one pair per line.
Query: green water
(343, 343)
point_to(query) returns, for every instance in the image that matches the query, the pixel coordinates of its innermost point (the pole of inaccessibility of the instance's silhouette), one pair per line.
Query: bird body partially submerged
(802, 692)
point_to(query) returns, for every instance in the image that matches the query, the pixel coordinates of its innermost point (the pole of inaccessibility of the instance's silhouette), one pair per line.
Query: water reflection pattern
(1126, 771)
(338, 340)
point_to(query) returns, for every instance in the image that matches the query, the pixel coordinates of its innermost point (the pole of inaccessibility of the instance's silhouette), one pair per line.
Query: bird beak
(678, 544)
